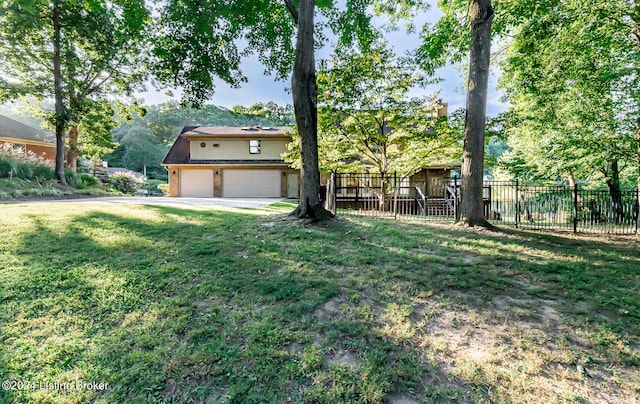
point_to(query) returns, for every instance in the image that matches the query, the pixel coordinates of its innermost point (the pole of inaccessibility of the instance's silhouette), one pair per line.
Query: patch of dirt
(294, 347)
(348, 359)
(328, 310)
(400, 399)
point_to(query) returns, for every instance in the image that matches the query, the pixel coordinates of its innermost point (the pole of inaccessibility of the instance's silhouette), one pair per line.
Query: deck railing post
(575, 208)
(456, 208)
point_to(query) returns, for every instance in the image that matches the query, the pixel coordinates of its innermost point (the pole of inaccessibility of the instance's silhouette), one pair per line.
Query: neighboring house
(26, 140)
(231, 162)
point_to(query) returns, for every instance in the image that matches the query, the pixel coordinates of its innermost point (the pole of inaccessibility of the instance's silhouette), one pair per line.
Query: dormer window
(254, 146)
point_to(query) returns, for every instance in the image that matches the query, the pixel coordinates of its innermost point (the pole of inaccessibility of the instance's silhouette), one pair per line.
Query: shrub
(73, 179)
(89, 180)
(153, 186)
(6, 166)
(43, 172)
(24, 170)
(125, 183)
(164, 188)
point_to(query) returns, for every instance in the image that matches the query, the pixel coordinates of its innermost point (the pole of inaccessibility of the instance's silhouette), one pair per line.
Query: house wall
(47, 153)
(174, 181)
(236, 149)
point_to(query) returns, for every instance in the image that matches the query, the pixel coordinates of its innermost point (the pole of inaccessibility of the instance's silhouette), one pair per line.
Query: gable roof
(180, 152)
(10, 128)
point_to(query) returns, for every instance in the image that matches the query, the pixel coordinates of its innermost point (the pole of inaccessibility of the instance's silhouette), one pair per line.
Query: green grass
(173, 305)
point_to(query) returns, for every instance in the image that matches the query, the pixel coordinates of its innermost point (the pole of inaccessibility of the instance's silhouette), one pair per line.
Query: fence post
(395, 196)
(575, 208)
(517, 203)
(637, 208)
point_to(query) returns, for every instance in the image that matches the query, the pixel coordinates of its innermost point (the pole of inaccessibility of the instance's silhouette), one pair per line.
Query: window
(203, 144)
(19, 149)
(254, 146)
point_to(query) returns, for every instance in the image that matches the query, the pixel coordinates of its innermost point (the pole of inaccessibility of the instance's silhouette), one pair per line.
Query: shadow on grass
(185, 305)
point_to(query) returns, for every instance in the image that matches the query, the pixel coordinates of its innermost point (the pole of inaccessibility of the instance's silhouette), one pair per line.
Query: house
(26, 140)
(231, 162)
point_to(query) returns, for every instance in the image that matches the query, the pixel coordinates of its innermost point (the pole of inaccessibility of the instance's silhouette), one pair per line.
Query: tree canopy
(571, 75)
(76, 53)
(367, 118)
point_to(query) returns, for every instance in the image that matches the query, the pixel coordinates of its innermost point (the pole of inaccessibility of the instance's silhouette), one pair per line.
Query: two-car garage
(236, 183)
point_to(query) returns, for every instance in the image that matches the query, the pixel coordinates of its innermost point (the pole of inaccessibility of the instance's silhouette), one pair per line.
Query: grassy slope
(241, 306)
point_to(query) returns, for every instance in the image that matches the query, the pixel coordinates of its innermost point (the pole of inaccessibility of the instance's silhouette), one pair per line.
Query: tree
(571, 76)
(448, 42)
(367, 116)
(141, 149)
(471, 202)
(367, 120)
(189, 54)
(73, 52)
(277, 114)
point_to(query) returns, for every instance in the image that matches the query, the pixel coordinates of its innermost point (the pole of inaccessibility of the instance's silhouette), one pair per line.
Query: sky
(264, 88)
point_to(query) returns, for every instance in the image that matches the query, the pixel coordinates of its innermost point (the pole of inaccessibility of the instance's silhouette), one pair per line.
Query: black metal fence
(529, 206)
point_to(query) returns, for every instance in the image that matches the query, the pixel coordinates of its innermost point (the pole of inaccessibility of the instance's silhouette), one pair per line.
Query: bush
(164, 188)
(89, 180)
(28, 167)
(6, 166)
(73, 179)
(125, 183)
(24, 170)
(153, 186)
(43, 173)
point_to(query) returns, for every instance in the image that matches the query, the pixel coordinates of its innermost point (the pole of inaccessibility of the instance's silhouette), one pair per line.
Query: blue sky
(263, 88)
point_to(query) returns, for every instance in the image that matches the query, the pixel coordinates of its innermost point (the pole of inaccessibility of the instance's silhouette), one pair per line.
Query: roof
(242, 132)
(180, 153)
(10, 128)
(242, 162)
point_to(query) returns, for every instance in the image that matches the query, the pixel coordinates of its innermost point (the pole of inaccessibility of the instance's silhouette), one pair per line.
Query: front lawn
(170, 305)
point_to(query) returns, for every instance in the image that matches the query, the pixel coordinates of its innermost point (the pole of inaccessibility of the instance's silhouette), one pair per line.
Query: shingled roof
(230, 131)
(10, 128)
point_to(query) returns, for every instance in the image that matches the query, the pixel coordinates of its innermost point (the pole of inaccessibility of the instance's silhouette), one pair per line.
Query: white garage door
(196, 183)
(251, 183)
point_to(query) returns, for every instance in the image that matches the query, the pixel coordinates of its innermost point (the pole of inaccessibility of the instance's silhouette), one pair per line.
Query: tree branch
(292, 10)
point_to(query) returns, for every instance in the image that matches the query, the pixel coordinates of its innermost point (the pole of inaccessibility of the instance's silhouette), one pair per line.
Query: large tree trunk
(60, 115)
(72, 155)
(616, 213)
(304, 89)
(471, 205)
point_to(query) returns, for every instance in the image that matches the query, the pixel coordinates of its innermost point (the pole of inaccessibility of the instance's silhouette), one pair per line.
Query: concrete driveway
(177, 202)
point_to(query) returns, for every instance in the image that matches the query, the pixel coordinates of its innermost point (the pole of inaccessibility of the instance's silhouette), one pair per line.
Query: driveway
(176, 202)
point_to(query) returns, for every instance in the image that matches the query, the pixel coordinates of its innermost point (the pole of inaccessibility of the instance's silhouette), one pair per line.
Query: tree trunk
(616, 212)
(304, 89)
(72, 155)
(60, 115)
(471, 204)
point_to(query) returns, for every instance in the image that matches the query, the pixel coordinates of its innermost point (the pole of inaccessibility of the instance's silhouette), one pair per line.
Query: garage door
(251, 183)
(196, 183)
